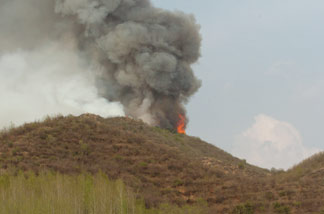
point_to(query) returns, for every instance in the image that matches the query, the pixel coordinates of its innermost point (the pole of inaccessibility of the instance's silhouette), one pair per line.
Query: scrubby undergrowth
(160, 165)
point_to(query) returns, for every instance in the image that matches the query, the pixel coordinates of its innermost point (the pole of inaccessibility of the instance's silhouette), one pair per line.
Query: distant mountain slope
(159, 164)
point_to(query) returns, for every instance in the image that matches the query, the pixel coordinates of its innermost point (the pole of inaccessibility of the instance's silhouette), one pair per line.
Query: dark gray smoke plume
(140, 55)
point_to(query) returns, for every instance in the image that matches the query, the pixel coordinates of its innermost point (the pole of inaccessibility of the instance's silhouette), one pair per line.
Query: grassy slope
(55, 193)
(161, 165)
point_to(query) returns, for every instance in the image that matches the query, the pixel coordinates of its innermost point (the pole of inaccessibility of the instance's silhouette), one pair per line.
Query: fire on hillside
(181, 125)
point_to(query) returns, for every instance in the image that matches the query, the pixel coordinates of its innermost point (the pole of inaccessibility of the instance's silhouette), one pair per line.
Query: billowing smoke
(132, 52)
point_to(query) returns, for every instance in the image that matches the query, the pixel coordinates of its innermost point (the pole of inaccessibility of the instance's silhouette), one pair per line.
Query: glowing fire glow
(181, 125)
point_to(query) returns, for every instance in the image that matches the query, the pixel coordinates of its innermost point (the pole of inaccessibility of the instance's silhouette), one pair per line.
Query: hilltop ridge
(161, 165)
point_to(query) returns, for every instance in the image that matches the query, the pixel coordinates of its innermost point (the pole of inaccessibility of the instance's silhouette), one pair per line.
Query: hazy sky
(261, 69)
(263, 78)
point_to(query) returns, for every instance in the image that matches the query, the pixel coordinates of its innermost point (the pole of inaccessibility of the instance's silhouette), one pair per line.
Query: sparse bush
(85, 150)
(50, 139)
(276, 171)
(143, 165)
(15, 151)
(246, 208)
(118, 158)
(241, 165)
(269, 196)
(178, 183)
(281, 208)
(10, 144)
(298, 204)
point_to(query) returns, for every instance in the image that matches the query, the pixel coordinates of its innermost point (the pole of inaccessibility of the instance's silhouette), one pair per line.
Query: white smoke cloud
(271, 143)
(47, 81)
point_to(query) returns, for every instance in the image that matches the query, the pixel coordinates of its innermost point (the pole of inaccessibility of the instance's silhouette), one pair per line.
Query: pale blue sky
(259, 57)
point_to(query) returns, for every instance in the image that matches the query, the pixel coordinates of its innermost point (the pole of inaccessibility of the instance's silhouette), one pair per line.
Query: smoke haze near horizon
(108, 57)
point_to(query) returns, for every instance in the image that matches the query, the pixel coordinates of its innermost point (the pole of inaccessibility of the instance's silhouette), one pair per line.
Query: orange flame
(181, 125)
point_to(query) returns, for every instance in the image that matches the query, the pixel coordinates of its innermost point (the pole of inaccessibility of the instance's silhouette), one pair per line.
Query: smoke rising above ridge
(30, 90)
(126, 51)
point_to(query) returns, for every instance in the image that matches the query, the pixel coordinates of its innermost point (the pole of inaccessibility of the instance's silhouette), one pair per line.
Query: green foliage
(298, 204)
(50, 139)
(241, 165)
(118, 158)
(53, 193)
(246, 208)
(56, 193)
(10, 144)
(15, 151)
(143, 164)
(178, 182)
(281, 208)
(286, 193)
(85, 150)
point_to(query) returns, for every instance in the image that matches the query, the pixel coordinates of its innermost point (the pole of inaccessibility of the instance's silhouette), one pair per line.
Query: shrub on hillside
(246, 208)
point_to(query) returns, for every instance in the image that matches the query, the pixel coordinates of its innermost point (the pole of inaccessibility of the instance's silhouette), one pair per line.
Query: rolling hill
(162, 166)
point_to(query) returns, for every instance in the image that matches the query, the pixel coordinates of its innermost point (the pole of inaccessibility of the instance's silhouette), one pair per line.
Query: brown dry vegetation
(162, 166)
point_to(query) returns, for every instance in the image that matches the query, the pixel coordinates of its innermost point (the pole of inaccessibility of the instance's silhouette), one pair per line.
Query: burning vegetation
(181, 125)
